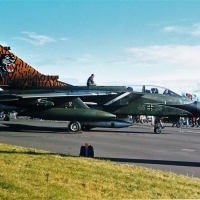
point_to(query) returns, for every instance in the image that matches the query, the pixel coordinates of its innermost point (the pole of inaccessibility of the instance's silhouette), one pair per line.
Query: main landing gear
(74, 126)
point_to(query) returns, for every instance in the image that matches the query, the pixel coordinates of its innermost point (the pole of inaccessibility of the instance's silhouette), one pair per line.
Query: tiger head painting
(7, 62)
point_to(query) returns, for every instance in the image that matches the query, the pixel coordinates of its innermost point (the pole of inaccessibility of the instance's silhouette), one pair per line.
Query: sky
(122, 42)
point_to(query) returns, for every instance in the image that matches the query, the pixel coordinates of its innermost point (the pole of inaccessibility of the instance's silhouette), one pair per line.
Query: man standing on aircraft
(90, 80)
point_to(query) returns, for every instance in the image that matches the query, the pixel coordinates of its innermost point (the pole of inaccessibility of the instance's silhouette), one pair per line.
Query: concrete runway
(175, 150)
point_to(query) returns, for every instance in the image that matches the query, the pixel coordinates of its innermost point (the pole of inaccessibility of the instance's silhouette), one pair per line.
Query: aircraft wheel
(6, 118)
(157, 130)
(74, 126)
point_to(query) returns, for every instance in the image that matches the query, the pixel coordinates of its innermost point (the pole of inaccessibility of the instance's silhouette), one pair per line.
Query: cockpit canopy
(152, 89)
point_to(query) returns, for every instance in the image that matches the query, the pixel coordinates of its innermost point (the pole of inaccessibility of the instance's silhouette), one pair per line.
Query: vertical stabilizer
(15, 72)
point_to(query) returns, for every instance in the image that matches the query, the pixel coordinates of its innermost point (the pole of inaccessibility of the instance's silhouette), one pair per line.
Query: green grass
(32, 174)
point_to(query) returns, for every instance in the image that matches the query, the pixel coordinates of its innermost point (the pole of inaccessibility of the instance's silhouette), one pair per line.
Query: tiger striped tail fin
(16, 72)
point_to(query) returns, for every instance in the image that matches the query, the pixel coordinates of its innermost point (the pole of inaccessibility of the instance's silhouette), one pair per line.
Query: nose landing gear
(157, 130)
(158, 126)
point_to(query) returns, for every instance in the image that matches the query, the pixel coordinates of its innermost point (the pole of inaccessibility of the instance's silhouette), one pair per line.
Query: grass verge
(32, 174)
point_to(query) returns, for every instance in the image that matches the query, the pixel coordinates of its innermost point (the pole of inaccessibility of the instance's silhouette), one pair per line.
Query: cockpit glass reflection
(152, 89)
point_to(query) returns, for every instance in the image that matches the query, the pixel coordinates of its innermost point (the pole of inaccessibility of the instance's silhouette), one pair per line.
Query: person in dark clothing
(90, 80)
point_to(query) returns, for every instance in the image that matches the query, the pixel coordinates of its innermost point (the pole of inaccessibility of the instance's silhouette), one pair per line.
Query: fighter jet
(45, 97)
(54, 106)
(21, 79)
(150, 100)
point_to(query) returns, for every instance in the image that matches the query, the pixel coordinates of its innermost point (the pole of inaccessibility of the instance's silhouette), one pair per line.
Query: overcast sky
(121, 42)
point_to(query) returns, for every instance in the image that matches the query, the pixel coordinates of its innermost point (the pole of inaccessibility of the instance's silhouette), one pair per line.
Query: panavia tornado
(85, 106)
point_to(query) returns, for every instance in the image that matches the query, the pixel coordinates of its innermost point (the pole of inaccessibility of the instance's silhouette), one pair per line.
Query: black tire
(157, 130)
(74, 126)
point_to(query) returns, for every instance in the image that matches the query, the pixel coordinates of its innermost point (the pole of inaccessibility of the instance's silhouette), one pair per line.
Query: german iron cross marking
(150, 107)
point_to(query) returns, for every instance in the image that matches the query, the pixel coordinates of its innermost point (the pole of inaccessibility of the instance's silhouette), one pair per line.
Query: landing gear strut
(158, 126)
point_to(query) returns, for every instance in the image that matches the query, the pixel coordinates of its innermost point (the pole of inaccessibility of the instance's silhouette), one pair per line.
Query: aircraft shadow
(150, 131)
(123, 160)
(122, 131)
(156, 162)
(32, 152)
(35, 129)
(41, 129)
